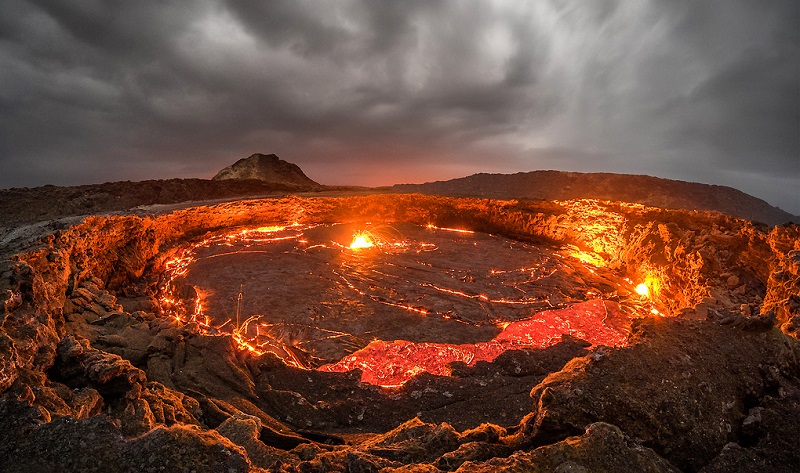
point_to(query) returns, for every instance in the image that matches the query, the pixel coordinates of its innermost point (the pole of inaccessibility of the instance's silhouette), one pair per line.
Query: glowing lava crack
(391, 364)
(392, 301)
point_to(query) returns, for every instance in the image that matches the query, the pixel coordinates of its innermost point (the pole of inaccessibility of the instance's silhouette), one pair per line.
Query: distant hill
(647, 190)
(267, 168)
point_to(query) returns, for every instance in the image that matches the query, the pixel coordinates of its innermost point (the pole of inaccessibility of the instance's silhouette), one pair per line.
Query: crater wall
(69, 349)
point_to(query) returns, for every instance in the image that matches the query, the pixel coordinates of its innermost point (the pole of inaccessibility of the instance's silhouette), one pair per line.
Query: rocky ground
(93, 377)
(30, 205)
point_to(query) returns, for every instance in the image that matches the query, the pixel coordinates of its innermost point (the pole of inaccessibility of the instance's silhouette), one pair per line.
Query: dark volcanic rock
(602, 448)
(80, 365)
(268, 168)
(683, 388)
(647, 190)
(472, 452)
(343, 461)
(770, 442)
(28, 205)
(244, 430)
(29, 442)
(414, 442)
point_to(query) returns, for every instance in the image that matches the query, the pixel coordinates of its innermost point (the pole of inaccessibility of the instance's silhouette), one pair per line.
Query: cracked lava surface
(404, 299)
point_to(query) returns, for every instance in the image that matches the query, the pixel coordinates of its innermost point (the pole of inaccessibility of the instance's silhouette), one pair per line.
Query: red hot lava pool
(392, 301)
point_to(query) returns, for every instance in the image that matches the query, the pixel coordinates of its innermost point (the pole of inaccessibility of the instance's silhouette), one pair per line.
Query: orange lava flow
(391, 364)
(431, 226)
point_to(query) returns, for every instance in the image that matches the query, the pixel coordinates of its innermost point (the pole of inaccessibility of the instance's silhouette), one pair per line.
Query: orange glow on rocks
(586, 257)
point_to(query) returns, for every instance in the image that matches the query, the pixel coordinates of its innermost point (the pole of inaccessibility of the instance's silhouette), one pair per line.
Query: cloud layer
(378, 92)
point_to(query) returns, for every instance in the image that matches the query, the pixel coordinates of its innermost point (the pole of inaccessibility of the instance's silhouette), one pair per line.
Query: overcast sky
(379, 92)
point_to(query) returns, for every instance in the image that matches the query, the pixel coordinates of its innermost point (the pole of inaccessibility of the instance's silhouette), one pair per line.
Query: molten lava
(446, 229)
(424, 298)
(643, 290)
(391, 364)
(362, 240)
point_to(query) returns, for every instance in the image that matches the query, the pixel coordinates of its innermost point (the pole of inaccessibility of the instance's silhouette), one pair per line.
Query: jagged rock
(85, 403)
(539, 362)
(783, 292)
(413, 468)
(413, 442)
(307, 451)
(137, 418)
(293, 408)
(281, 440)
(132, 342)
(602, 448)
(769, 438)
(156, 405)
(171, 407)
(29, 441)
(80, 365)
(214, 411)
(34, 388)
(244, 430)
(265, 167)
(472, 452)
(8, 361)
(483, 433)
(181, 449)
(211, 365)
(681, 388)
(343, 461)
(34, 341)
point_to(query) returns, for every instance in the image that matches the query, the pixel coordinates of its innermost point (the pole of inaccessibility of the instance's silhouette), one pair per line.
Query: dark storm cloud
(375, 92)
(749, 109)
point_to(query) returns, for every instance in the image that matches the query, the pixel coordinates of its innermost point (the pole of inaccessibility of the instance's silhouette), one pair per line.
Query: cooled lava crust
(99, 371)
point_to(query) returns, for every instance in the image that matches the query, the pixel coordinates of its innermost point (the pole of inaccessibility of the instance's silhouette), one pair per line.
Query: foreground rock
(97, 445)
(684, 388)
(602, 448)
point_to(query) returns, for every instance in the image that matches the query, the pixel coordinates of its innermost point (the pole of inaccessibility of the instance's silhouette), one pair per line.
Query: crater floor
(412, 299)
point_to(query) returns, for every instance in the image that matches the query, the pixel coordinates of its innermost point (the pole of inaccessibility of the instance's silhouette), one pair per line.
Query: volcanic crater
(404, 298)
(402, 332)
